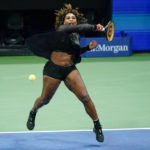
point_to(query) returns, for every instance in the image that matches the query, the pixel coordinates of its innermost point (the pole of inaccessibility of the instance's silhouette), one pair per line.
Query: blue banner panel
(120, 46)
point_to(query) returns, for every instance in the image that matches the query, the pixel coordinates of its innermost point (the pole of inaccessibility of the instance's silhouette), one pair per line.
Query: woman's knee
(84, 98)
(45, 100)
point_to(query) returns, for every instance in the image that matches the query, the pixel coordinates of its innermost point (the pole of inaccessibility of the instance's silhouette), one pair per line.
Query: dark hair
(60, 15)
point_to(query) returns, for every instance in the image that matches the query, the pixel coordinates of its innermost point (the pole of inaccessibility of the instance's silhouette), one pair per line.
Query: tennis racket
(109, 30)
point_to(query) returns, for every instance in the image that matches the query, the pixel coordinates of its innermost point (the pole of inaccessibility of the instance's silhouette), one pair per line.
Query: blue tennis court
(125, 139)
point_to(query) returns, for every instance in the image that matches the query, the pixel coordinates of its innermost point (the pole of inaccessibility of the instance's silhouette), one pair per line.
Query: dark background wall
(53, 4)
(38, 16)
(102, 8)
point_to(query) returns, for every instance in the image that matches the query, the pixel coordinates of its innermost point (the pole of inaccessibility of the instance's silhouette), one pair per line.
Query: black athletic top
(65, 39)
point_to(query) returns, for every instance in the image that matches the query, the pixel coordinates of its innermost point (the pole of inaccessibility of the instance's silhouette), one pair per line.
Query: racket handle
(103, 29)
(100, 28)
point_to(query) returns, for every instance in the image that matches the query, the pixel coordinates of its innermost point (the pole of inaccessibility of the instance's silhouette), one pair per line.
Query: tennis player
(62, 49)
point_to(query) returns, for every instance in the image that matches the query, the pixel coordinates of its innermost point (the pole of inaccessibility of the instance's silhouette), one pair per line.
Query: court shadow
(69, 144)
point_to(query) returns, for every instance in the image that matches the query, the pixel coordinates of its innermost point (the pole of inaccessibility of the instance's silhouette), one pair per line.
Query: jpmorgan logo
(112, 48)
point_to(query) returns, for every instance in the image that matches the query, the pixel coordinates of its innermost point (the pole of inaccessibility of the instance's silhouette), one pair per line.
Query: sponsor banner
(116, 48)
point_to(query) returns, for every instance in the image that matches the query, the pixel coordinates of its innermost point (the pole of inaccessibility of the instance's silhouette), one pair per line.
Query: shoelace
(32, 116)
(100, 132)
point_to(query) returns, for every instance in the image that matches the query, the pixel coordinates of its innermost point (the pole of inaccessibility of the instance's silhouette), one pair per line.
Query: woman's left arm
(80, 28)
(92, 45)
(77, 28)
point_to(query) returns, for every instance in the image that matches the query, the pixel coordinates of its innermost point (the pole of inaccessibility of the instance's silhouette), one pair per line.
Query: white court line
(121, 129)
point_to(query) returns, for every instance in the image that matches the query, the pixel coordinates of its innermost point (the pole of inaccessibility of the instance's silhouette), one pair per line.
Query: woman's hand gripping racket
(109, 29)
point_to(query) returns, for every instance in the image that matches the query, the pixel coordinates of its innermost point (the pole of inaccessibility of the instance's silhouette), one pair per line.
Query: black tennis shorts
(56, 71)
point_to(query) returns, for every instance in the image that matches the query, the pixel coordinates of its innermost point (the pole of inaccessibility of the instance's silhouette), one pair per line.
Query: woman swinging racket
(62, 49)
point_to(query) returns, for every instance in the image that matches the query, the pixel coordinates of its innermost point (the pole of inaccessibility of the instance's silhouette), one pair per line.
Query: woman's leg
(75, 83)
(50, 86)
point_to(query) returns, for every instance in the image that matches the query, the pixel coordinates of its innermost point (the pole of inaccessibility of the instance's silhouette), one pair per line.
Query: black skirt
(56, 71)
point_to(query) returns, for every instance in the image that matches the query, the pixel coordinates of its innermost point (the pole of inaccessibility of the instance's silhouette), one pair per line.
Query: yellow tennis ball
(32, 77)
